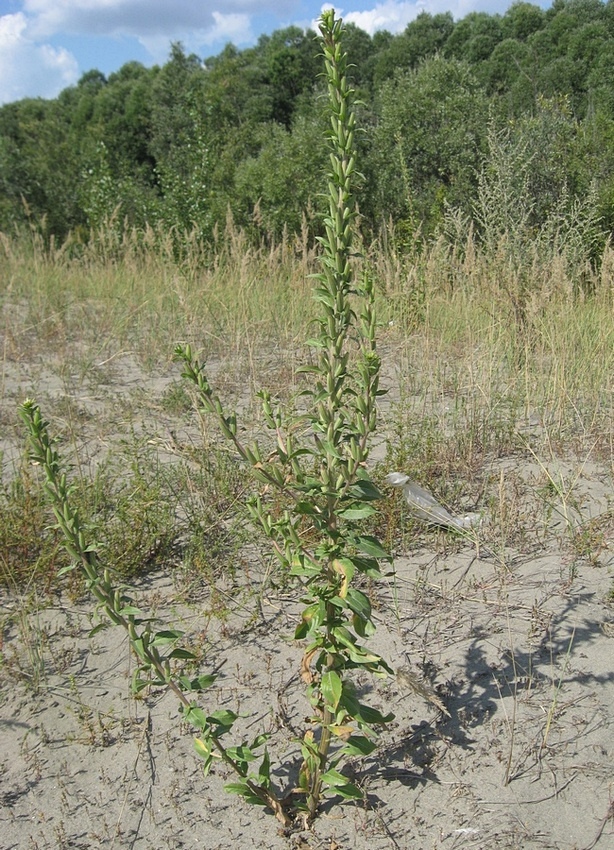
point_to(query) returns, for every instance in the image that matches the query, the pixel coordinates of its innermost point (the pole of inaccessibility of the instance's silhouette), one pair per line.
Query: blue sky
(46, 45)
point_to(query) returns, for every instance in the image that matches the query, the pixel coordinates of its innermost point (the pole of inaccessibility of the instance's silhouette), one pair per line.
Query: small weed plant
(313, 497)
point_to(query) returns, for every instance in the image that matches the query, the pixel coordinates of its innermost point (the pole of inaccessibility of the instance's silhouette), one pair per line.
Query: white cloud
(391, 15)
(232, 27)
(394, 15)
(140, 18)
(28, 69)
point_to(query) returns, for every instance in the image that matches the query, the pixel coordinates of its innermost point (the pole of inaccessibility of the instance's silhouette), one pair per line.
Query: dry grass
(90, 330)
(134, 291)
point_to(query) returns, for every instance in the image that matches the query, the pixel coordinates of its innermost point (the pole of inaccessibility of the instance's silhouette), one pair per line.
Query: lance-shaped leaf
(331, 687)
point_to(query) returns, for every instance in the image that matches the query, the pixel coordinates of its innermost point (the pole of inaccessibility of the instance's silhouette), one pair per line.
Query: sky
(46, 45)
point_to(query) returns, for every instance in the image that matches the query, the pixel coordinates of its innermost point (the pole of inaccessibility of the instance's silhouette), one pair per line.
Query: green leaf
(333, 778)
(331, 687)
(165, 637)
(355, 653)
(371, 546)
(301, 631)
(365, 489)
(360, 656)
(243, 790)
(181, 653)
(197, 717)
(305, 508)
(259, 740)
(312, 618)
(130, 611)
(223, 718)
(207, 762)
(202, 747)
(359, 603)
(363, 628)
(264, 771)
(139, 648)
(205, 752)
(302, 568)
(341, 786)
(242, 753)
(200, 683)
(367, 566)
(344, 637)
(236, 788)
(358, 745)
(331, 451)
(324, 297)
(349, 791)
(338, 602)
(357, 512)
(372, 716)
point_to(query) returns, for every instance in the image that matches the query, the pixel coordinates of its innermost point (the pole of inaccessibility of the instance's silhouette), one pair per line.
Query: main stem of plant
(335, 288)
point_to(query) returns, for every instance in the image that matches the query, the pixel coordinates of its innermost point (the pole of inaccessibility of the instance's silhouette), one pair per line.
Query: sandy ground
(517, 643)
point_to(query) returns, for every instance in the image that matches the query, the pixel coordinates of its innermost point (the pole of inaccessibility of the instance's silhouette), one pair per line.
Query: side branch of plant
(156, 652)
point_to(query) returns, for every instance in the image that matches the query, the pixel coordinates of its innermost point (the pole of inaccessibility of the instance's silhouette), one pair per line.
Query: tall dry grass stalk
(458, 306)
(141, 290)
(471, 329)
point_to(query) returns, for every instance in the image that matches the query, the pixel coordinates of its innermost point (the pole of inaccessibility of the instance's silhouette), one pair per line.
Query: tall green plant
(323, 491)
(325, 495)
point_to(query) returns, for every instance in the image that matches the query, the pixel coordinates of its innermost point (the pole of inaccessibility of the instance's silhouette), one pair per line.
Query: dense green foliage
(179, 146)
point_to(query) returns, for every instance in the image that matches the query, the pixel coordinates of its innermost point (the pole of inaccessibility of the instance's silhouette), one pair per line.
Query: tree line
(441, 106)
